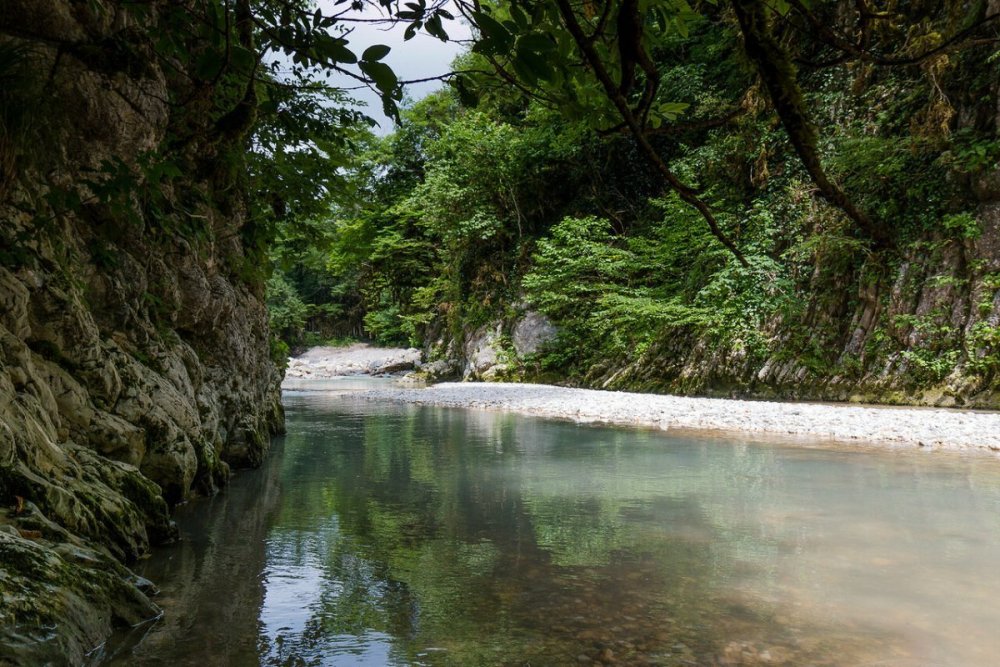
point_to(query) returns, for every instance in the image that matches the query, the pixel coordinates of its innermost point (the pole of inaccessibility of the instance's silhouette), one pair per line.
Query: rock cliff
(134, 358)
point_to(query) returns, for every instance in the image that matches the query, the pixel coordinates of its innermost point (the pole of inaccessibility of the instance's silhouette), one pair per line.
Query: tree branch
(862, 52)
(685, 192)
(778, 74)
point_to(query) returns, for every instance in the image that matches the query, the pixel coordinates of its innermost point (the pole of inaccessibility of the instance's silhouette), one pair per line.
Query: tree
(560, 51)
(534, 50)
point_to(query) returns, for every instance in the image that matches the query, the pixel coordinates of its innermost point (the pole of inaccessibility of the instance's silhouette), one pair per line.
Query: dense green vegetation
(653, 176)
(800, 182)
(667, 182)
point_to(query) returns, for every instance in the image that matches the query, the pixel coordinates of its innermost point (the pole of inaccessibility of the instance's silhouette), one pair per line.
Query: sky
(418, 58)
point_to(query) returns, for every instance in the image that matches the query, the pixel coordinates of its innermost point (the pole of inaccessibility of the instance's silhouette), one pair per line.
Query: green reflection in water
(480, 537)
(387, 535)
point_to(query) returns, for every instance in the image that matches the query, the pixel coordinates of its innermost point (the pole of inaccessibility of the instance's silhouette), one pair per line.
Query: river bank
(945, 429)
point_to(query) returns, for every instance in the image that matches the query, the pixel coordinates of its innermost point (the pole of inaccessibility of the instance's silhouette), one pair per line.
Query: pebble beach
(935, 428)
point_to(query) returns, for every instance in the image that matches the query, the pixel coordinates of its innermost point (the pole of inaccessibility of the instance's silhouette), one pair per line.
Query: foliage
(15, 109)
(641, 172)
(617, 296)
(286, 309)
(524, 186)
(443, 213)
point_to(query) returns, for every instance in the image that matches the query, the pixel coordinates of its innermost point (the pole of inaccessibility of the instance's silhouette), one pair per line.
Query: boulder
(531, 332)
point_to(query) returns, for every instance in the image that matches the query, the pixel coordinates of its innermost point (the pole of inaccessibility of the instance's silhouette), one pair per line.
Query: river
(380, 534)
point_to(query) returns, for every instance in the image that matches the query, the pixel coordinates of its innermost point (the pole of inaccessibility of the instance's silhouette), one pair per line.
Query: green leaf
(209, 64)
(519, 17)
(390, 108)
(537, 64)
(466, 94)
(671, 110)
(781, 7)
(536, 41)
(500, 40)
(329, 48)
(383, 76)
(524, 72)
(435, 28)
(243, 60)
(682, 27)
(375, 52)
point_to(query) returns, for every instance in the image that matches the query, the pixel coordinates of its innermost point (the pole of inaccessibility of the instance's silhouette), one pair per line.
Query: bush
(287, 312)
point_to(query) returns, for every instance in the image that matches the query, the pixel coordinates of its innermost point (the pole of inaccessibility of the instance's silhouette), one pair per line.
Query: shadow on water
(398, 535)
(210, 581)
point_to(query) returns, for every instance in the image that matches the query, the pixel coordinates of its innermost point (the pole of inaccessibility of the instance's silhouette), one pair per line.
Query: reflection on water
(348, 383)
(398, 535)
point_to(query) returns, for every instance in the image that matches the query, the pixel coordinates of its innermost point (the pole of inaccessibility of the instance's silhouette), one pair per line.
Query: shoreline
(932, 428)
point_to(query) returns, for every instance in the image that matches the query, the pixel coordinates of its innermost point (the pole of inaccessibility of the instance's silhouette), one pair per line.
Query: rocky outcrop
(134, 355)
(531, 332)
(498, 350)
(483, 350)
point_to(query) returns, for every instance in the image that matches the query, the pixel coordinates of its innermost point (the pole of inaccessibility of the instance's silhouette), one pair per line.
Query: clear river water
(380, 534)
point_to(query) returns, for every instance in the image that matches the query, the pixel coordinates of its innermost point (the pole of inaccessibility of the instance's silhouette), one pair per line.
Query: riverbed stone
(858, 426)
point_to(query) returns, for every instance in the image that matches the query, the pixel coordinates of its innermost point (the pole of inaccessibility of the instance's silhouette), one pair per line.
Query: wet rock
(55, 610)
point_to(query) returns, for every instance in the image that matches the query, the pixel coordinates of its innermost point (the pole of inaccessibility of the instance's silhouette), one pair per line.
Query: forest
(705, 197)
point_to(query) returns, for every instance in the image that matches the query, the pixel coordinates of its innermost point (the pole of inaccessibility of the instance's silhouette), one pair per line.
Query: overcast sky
(421, 57)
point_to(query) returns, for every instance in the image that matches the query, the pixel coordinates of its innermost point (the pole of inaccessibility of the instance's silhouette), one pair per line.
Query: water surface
(342, 384)
(402, 535)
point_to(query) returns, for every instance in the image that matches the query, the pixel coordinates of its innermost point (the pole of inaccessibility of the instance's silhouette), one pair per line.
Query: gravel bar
(936, 428)
(358, 359)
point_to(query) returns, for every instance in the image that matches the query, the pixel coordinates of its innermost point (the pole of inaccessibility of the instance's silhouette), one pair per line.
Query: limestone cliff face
(134, 356)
